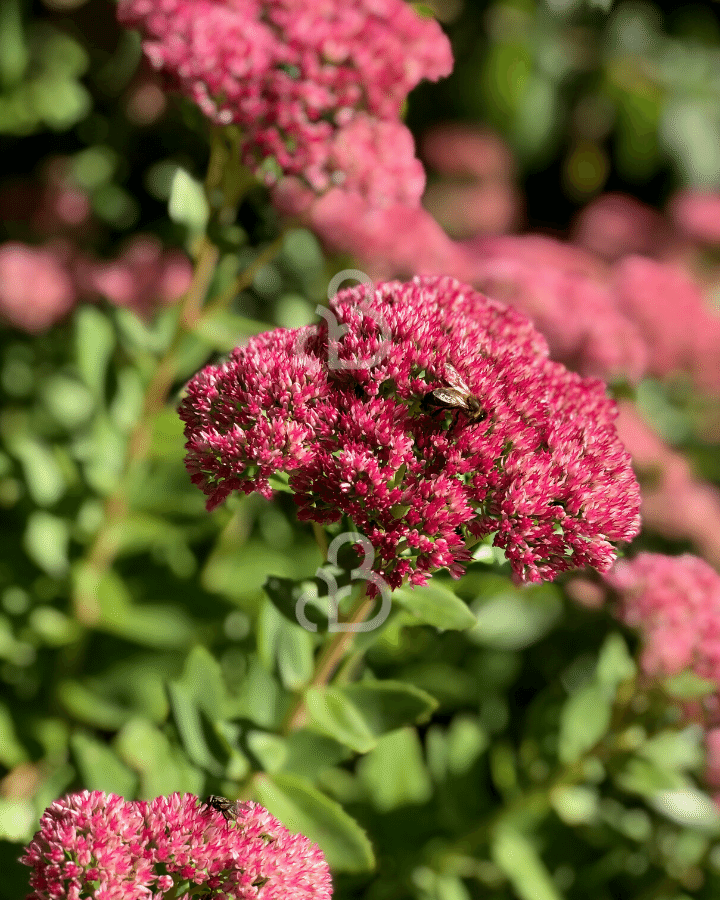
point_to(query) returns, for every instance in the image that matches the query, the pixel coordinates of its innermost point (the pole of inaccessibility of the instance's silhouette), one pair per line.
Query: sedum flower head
(305, 82)
(100, 846)
(540, 468)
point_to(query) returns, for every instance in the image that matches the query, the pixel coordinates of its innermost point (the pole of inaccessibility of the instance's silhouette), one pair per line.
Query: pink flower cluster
(102, 846)
(541, 468)
(312, 86)
(40, 285)
(675, 602)
(675, 503)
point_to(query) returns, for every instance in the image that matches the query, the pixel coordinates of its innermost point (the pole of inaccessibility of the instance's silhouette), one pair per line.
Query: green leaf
(584, 720)
(387, 705)
(466, 741)
(525, 870)
(89, 706)
(615, 664)
(269, 749)
(163, 768)
(12, 751)
(150, 625)
(330, 712)
(674, 750)
(202, 679)
(284, 594)
(94, 346)
(167, 440)
(356, 715)
(46, 542)
(689, 807)
(285, 645)
(435, 605)
(511, 618)
(575, 804)
(68, 400)
(394, 771)
(688, 686)
(188, 204)
(309, 753)
(18, 820)
(195, 735)
(302, 808)
(100, 768)
(240, 573)
(641, 776)
(224, 330)
(43, 474)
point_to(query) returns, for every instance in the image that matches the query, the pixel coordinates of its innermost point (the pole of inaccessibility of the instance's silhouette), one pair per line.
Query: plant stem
(245, 278)
(329, 659)
(104, 547)
(193, 312)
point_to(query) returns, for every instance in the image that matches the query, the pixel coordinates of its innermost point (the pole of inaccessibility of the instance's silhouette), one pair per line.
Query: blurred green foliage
(485, 739)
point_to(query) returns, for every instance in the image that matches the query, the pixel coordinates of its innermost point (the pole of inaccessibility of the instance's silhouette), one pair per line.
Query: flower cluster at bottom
(99, 845)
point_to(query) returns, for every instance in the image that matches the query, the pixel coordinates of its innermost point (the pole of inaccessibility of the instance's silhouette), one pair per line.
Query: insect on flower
(229, 809)
(455, 396)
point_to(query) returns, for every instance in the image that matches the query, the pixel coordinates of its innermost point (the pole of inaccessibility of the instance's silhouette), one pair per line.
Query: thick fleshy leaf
(302, 808)
(387, 705)
(512, 618)
(356, 715)
(394, 772)
(100, 768)
(435, 605)
(584, 719)
(521, 863)
(330, 713)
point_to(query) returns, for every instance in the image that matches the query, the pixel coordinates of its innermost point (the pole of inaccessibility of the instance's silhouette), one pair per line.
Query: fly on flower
(456, 395)
(229, 809)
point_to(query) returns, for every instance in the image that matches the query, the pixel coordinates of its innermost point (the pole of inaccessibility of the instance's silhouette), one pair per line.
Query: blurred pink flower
(52, 204)
(143, 277)
(36, 287)
(475, 191)
(459, 149)
(563, 290)
(675, 503)
(100, 845)
(668, 308)
(697, 215)
(675, 602)
(296, 78)
(614, 225)
(389, 241)
(541, 467)
(468, 209)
